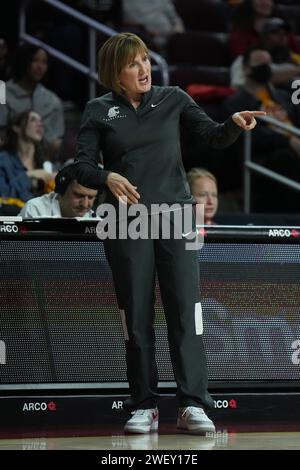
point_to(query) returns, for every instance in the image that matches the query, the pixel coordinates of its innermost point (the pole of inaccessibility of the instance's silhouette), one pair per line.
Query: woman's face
(38, 66)
(34, 129)
(135, 77)
(263, 7)
(205, 192)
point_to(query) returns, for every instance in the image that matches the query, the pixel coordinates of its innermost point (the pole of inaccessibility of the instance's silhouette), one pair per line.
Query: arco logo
(117, 405)
(279, 232)
(8, 228)
(39, 406)
(295, 233)
(226, 404)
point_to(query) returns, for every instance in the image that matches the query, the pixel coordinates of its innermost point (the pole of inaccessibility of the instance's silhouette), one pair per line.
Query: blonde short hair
(196, 173)
(117, 52)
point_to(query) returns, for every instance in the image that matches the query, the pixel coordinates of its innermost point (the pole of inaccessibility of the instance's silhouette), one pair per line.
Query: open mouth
(144, 80)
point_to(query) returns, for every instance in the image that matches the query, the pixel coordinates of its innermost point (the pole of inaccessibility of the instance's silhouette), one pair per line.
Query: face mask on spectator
(280, 54)
(261, 73)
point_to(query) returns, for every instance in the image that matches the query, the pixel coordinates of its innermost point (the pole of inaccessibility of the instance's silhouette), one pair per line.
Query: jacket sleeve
(88, 141)
(196, 121)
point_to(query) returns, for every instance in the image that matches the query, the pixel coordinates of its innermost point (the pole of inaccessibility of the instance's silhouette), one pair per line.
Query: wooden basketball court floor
(241, 436)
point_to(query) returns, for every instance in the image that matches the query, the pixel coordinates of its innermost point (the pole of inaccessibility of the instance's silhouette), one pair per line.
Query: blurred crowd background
(228, 55)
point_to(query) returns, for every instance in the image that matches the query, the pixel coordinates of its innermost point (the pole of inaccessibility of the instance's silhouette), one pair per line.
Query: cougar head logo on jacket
(113, 112)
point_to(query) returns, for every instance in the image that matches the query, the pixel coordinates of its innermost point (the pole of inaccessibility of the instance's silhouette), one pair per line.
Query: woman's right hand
(122, 189)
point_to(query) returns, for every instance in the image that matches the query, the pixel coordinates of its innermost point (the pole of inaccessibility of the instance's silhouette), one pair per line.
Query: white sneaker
(194, 420)
(142, 421)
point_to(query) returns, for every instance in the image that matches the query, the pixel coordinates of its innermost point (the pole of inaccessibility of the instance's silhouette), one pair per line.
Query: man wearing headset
(76, 188)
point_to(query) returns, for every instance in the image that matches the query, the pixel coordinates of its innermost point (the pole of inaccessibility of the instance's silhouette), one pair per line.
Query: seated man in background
(258, 93)
(76, 189)
(272, 147)
(285, 63)
(204, 188)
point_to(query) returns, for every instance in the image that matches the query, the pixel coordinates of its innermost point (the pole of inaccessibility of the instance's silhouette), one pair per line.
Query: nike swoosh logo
(154, 105)
(186, 234)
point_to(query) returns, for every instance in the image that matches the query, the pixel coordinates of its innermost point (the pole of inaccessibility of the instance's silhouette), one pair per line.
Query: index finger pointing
(258, 113)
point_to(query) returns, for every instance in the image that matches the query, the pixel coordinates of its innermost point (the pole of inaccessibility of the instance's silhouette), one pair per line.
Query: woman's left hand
(246, 119)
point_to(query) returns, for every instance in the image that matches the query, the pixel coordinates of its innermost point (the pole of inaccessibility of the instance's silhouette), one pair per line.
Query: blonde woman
(204, 188)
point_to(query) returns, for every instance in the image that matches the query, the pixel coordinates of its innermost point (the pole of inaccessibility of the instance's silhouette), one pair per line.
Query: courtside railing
(250, 166)
(93, 27)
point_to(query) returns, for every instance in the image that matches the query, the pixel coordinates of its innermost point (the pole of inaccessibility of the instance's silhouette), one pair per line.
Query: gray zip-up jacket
(143, 144)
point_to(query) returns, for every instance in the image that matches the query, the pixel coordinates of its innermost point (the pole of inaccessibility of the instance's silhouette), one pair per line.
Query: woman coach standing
(137, 128)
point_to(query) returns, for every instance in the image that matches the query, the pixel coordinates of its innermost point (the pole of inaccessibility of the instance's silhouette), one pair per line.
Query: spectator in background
(24, 91)
(275, 34)
(204, 188)
(248, 21)
(273, 147)
(21, 161)
(108, 12)
(158, 18)
(285, 63)
(76, 189)
(258, 92)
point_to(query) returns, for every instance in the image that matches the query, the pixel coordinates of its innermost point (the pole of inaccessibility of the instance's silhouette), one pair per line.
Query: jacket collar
(123, 98)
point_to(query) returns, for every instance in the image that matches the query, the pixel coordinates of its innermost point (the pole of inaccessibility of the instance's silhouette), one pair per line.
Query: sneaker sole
(141, 429)
(196, 429)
